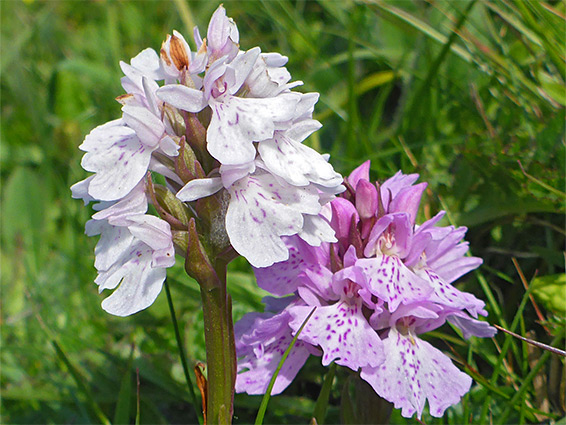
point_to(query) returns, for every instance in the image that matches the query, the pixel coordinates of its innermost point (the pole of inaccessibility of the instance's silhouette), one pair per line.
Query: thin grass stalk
(182, 355)
(527, 381)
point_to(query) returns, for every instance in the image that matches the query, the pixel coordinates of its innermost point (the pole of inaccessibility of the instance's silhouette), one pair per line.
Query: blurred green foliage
(471, 96)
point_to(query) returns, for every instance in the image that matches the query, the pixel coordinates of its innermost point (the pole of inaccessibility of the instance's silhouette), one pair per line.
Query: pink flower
(381, 284)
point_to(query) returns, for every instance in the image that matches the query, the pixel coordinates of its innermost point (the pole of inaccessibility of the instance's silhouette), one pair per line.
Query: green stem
(220, 348)
(182, 353)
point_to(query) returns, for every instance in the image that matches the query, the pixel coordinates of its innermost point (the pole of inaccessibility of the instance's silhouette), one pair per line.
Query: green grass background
(469, 95)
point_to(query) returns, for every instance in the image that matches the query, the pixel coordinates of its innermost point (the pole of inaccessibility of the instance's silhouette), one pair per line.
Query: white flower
(133, 252)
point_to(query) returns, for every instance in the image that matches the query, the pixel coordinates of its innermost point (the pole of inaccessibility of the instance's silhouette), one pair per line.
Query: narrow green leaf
(322, 401)
(347, 415)
(182, 355)
(79, 380)
(138, 410)
(375, 80)
(267, 395)
(425, 28)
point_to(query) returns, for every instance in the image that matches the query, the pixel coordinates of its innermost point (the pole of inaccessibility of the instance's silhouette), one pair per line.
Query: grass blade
(182, 353)
(322, 401)
(267, 395)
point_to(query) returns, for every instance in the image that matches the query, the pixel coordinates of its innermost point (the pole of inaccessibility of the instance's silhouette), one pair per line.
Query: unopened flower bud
(366, 199)
(186, 164)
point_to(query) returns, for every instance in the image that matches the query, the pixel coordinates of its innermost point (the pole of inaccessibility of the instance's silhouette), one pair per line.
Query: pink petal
(389, 279)
(414, 372)
(343, 333)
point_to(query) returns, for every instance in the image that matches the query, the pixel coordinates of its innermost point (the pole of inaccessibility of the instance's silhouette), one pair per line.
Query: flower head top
(381, 284)
(225, 130)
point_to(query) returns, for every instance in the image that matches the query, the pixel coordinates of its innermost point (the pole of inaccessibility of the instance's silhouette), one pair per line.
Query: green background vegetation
(471, 96)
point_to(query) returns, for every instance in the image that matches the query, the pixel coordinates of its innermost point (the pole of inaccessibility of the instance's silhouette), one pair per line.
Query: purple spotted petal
(450, 271)
(390, 280)
(366, 199)
(414, 372)
(399, 228)
(261, 340)
(343, 333)
(316, 286)
(447, 295)
(281, 278)
(342, 213)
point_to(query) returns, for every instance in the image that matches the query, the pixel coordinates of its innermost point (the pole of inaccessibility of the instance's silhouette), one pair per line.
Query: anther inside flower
(224, 130)
(385, 281)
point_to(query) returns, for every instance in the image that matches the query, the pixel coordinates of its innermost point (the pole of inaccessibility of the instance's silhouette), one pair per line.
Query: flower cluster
(385, 281)
(224, 130)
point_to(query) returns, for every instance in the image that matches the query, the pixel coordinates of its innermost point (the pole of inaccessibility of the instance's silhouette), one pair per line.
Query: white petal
(199, 188)
(316, 230)
(168, 146)
(182, 97)
(80, 190)
(149, 88)
(159, 167)
(232, 173)
(135, 203)
(119, 159)
(147, 126)
(148, 63)
(242, 66)
(151, 230)
(114, 244)
(140, 284)
(237, 122)
(261, 211)
(296, 163)
(303, 129)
